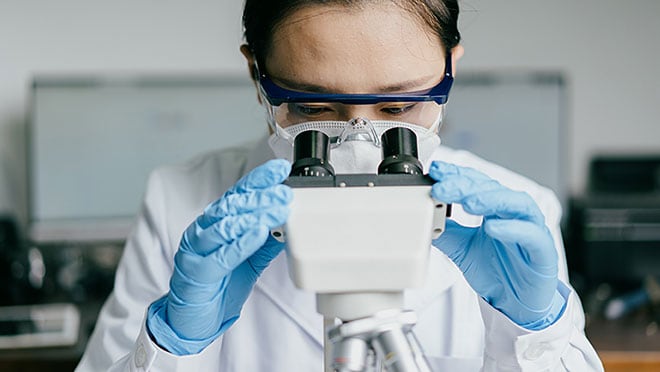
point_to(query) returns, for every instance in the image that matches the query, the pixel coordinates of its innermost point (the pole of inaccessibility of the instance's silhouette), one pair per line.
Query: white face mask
(356, 144)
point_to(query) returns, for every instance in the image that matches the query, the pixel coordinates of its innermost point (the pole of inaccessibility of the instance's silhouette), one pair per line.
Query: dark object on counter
(613, 230)
(14, 264)
(625, 174)
(8, 234)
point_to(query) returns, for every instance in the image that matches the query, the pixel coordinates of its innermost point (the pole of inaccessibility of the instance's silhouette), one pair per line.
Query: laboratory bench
(626, 345)
(631, 344)
(78, 277)
(55, 359)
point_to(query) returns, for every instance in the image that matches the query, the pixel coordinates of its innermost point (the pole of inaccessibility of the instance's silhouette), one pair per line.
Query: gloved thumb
(264, 255)
(539, 248)
(454, 239)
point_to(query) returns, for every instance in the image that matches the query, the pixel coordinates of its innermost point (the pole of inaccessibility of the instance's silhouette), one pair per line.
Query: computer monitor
(514, 119)
(93, 142)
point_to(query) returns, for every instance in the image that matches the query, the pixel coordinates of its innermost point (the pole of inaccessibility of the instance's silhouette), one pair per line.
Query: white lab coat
(279, 328)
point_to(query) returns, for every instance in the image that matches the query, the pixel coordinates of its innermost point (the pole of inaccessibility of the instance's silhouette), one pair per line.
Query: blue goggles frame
(276, 95)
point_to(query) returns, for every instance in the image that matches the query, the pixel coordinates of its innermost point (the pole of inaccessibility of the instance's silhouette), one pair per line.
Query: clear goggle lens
(344, 122)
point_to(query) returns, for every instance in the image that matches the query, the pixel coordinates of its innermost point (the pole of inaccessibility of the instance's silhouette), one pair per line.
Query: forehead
(350, 49)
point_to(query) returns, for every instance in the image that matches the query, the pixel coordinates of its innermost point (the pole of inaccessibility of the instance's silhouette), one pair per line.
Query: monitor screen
(514, 119)
(93, 143)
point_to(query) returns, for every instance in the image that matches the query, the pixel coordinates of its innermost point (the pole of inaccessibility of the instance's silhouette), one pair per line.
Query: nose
(349, 112)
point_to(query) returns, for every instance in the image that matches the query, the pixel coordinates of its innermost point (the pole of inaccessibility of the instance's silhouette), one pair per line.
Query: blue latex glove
(219, 259)
(510, 260)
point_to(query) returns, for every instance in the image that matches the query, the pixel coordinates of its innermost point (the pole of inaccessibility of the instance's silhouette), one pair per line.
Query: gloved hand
(510, 260)
(219, 259)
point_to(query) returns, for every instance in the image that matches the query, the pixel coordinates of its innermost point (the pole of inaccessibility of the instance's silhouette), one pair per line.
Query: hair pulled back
(262, 17)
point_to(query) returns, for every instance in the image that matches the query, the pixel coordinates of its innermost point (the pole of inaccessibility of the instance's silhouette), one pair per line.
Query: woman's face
(337, 49)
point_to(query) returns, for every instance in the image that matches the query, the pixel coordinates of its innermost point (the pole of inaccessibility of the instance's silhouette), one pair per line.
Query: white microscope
(359, 240)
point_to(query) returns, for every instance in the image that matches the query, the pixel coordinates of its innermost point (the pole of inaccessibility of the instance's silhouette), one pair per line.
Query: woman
(185, 297)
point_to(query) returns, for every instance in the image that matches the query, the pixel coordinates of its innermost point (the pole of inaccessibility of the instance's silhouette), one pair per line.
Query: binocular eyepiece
(311, 152)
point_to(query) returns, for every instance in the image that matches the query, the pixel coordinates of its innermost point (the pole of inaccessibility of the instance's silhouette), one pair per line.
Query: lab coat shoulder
(178, 193)
(175, 195)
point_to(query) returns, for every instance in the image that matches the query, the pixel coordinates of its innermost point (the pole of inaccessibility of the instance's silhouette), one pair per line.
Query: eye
(398, 109)
(308, 109)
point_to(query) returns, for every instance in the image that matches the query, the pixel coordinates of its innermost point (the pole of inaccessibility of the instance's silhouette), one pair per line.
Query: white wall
(608, 49)
(120, 36)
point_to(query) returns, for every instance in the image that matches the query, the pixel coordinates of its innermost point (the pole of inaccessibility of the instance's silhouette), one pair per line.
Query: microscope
(359, 240)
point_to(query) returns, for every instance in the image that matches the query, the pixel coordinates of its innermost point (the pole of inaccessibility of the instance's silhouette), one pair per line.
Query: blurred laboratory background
(94, 95)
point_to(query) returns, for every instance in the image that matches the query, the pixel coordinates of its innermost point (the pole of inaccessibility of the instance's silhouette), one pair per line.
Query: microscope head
(359, 240)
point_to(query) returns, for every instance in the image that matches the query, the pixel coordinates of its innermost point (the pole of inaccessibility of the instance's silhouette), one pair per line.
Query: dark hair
(262, 17)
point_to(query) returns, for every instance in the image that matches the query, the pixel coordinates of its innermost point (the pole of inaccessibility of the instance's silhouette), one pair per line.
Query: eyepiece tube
(399, 152)
(311, 150)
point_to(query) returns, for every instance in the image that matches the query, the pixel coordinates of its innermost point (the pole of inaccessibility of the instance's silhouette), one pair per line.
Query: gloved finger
(233, 227)
(505, 204)
(440, 169)
(206, 240)
(194, 319)
(453, 241)
(527, 242)
(197, 279)
(270, 173)
(250, 269)
(235, 204)
(262, 258)
(454, 188)
(488, 199)
(232, 255)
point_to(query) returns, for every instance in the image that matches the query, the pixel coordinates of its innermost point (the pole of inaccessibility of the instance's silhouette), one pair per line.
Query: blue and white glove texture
(219, 259)
(510, 260)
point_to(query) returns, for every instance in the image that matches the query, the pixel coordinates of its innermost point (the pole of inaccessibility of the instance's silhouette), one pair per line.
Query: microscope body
(358, 241)
(361, 234)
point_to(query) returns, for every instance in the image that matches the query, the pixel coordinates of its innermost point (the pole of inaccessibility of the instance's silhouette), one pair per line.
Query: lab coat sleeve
(563, 346)
(146, 355)
(120, 341)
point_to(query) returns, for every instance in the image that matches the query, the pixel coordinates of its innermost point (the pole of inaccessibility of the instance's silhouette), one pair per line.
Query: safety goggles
(286, 107)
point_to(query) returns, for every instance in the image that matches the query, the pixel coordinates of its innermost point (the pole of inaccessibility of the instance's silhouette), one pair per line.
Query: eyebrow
(400, 87)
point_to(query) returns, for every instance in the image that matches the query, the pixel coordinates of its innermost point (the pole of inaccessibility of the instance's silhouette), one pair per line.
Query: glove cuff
(163, 335)
(553, 313)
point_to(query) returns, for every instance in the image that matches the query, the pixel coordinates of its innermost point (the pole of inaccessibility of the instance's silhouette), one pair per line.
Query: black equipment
(613, 232)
